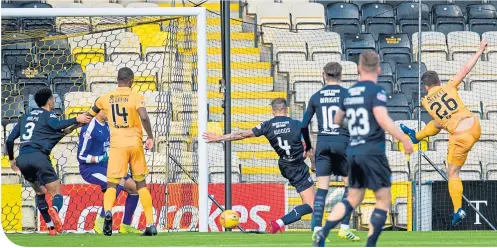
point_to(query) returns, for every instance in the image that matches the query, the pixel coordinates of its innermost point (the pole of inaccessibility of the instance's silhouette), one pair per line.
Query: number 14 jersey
(121, 106)
(445, 106)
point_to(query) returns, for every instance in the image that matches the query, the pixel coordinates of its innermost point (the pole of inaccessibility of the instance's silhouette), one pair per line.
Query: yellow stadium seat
(260, 169)
(74, 111)
(84, 56)
(144, 83)
(146, 32)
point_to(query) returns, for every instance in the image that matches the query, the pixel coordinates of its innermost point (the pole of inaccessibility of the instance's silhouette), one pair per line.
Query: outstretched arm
(210, 137)
(469, 65)
(72, 128)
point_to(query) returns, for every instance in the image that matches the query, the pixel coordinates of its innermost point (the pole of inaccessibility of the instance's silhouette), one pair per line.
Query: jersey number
(284, 145)
(450, 104)
(361, 117)
(328, 117)
(118, 111)
(29, 131)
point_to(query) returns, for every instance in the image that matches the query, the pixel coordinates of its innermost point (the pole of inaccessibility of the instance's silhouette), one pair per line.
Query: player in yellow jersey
(126, 112)
(449, 113)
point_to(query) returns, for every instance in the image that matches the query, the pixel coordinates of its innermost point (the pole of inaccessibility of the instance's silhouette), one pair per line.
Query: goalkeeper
(449, 113)
(93, 144)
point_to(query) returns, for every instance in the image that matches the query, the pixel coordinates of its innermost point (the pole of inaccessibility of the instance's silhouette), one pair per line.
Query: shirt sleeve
(140, 101)
(9, 144)
(380, 97)
(306, 136)
(97, 106)
(56, 124)
(309, 113)
(85, 145)
(454, 83)
(260, 129)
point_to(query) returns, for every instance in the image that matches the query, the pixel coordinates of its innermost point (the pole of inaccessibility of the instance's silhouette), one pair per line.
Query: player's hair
(369, 61)
(42, 96)
(125, 75)
(278, 103)
(430, 79)
(332, 71)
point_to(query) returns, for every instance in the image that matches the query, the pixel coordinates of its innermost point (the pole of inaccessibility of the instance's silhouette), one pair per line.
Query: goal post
(199, 76)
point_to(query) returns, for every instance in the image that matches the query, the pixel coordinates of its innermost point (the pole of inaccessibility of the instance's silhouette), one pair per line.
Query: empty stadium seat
(385, 79)
(448, 18)
(52, 55)
(18, 55)
(103, 23)
(355, 44)
(12, 108)
(287, 46)
(491, 171)
(407, 17)
(491, 50)
(433, 48)
(407, 77)
(462, 45)
(482, 18)
(323, 51)
(68, 79)
(37, 23)
(70, 25)
(378, 18)
(398, 107)
(78, 102)
(307, 16)
(273, 15)
(251, 7)
(343, 18)
(6, 75)
(394, 49)
(30, 81)
(126, 47)
(472, 101)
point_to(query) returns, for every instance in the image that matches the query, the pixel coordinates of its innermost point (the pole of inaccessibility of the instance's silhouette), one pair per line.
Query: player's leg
(430, 129)
(379, 215)
(323, 173)
(299, 177)
(344, 231)
(129, 206)
(42, 205)
(48, 177)
(139, 171)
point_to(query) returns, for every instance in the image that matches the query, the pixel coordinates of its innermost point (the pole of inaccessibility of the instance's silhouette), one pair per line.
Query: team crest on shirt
(381, 96)
(259, 126)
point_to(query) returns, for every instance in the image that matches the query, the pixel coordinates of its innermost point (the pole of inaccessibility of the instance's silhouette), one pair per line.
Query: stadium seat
(462, 45)
(434, 47)
(407, 77)
(52, 55)
(378, 18)
(6, 75)
(307, 16)
(105, 23)
(70, 25)
(18, 55)
(89, 48)
(448, 18)
(398, 107)
(323, 51)
(251, 7)
(385, 79)
(40, 23)
(78, 102)
(343, 18)
(407, 17)
(126, 47)
(287, 46)
(446, 70)
(30, 81)
(12, 108)
(394, 49)
(491, 171)
(273, 15)
(304, 90)
(400, 209)
(68, 79)
(472, 102)
(491, 50)
(355, 44)
(482, 18)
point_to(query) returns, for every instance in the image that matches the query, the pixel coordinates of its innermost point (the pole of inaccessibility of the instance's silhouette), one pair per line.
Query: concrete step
(241, 113)
(240, 69)
(245, 98)
(243, 84)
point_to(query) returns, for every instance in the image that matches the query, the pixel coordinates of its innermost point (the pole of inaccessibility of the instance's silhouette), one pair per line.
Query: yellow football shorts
(461, 143)
(120, 157)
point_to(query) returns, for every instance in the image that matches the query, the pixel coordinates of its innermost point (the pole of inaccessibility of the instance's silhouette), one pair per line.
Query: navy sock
(346, 217)
(319, 203)
(330, 224)
(42, 205)
(57, 202)
(378, 218)
(296, 214)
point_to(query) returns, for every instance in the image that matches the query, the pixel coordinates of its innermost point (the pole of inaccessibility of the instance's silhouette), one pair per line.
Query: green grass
(289, 239)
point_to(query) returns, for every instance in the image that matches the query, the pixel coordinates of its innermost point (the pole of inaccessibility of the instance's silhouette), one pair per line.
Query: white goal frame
(201, 14)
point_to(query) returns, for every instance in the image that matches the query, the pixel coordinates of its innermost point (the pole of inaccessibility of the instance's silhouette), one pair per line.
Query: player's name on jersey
(329, 99)
(118, 99)
(353, 100)
(281, 131)
(435, 96)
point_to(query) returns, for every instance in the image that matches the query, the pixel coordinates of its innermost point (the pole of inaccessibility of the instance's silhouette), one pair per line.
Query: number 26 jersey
(120, 107)
(445, 106)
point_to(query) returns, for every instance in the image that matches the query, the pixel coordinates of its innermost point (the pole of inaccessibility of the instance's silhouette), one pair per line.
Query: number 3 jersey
(284, 135)
(445, 106)
(366, 135)
(121, 106)
(325, 103)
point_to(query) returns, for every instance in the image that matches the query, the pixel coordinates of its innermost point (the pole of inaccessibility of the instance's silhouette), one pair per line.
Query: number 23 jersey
(445, 106)
(121, 106)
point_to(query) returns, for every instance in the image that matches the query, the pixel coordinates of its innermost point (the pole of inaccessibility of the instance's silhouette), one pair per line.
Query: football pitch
(289, 239)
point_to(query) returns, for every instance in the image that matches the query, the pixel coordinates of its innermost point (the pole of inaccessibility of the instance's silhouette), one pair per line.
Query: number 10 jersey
(121, 106)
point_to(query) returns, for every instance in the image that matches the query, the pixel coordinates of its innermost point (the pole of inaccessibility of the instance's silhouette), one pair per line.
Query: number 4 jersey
(445, 106)
(366, 135)
(120, 107)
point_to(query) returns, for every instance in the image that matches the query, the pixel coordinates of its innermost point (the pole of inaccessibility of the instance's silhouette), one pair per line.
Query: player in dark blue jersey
(40, 130)
(332, 141)
(285, 136)
(367, 120)
(93, 146)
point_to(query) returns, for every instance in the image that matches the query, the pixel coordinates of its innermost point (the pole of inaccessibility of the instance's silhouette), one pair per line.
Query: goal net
(78, 58)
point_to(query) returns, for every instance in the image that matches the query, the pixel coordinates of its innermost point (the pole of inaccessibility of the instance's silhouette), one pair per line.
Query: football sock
(42, 205)
(146, 200)
(296, 214)
(455, 191)
(129, 208)
(109, 198)
(332, 223)
(346, 218)
(378, 218)
(319, 202)
(57, 202)
(429, 130)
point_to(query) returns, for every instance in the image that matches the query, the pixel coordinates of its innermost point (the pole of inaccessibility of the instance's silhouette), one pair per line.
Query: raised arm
(381, 115)
(459, 77)
(211, 137)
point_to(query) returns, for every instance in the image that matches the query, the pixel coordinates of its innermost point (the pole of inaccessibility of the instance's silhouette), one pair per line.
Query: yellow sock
(109, 198)
(429, 130)
(455, 191)
(146, 201)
